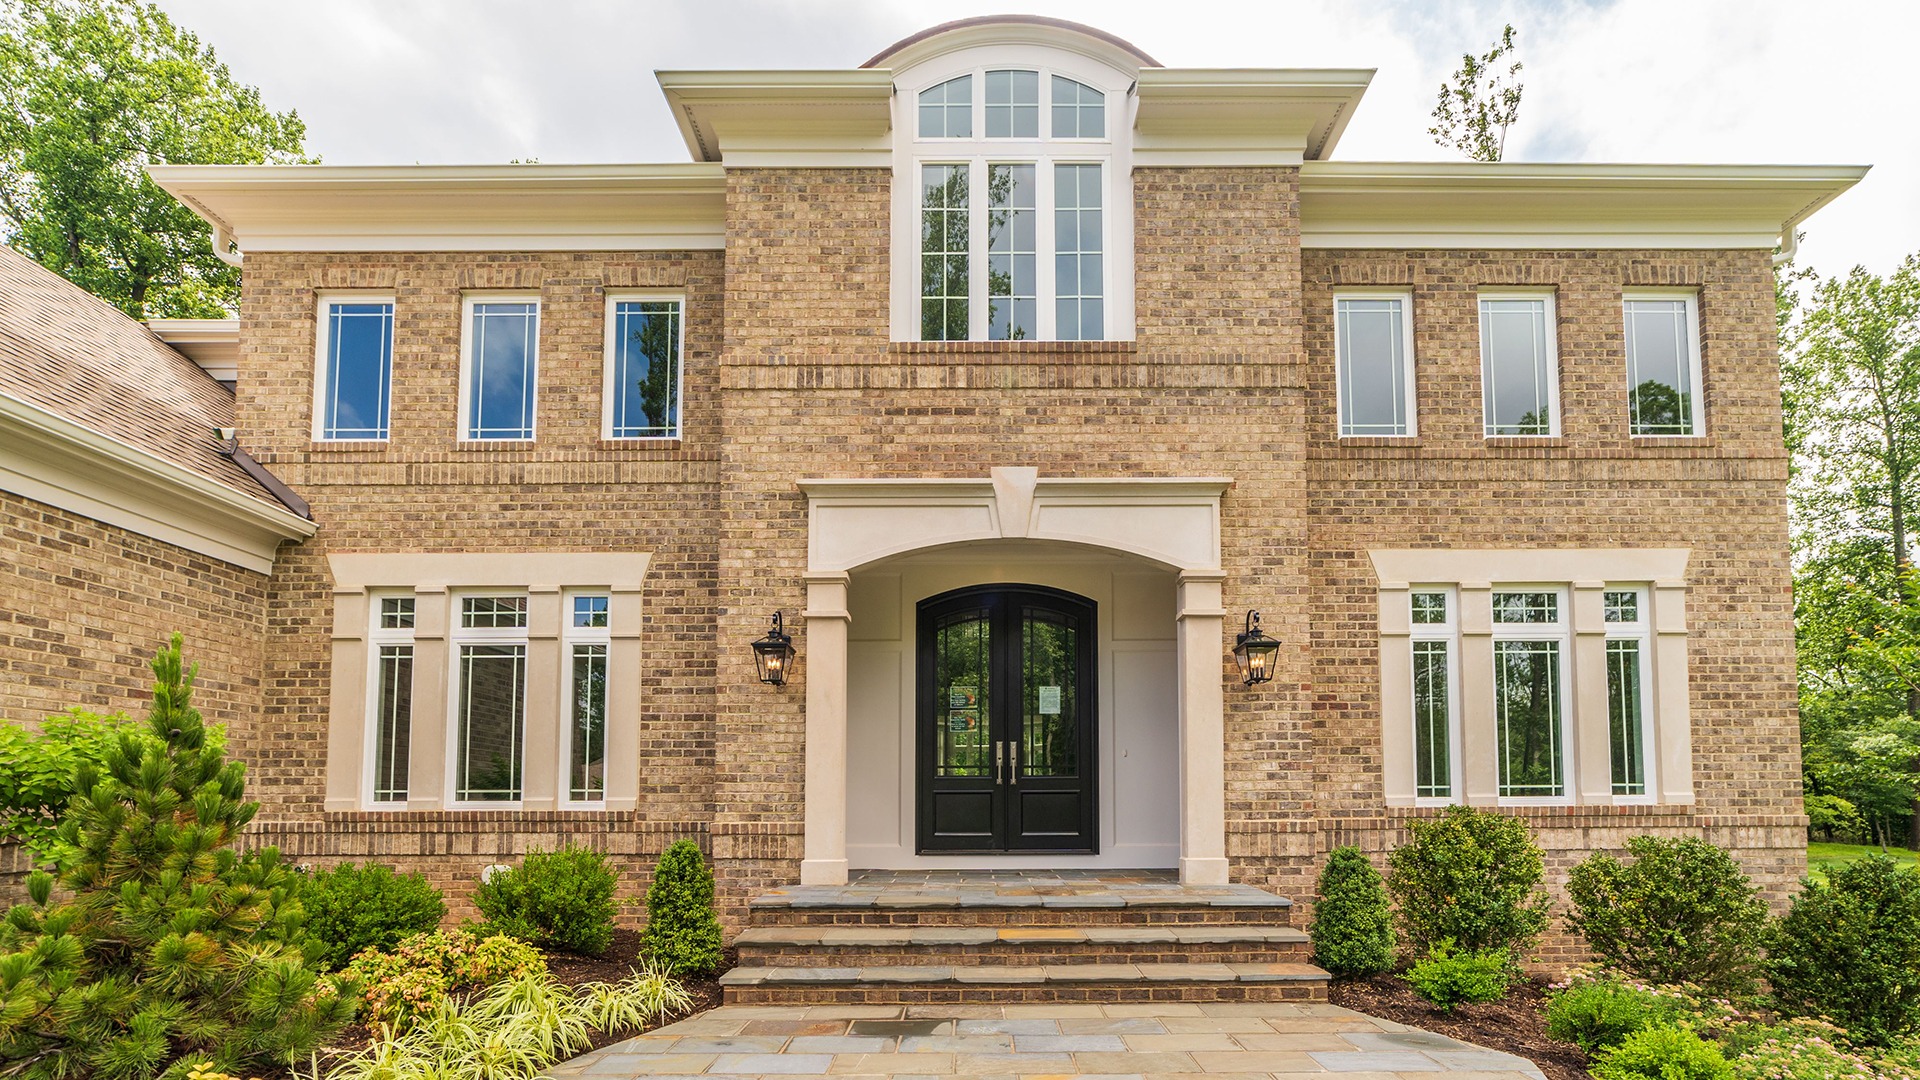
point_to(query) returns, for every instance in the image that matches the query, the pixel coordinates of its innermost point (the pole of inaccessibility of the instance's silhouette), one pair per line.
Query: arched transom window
(1013, 175)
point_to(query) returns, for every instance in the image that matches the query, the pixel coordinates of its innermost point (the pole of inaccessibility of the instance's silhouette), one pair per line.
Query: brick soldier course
(788, 255)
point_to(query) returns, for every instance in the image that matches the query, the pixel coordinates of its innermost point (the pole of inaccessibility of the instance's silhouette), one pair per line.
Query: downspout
(1789, 241)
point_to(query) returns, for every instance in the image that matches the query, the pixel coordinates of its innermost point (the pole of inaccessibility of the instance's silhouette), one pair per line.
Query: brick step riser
(839, 956)
(1142, 916)
(1098, 993)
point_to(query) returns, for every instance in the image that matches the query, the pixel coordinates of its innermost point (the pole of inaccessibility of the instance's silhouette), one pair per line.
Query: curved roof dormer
(1000, 30)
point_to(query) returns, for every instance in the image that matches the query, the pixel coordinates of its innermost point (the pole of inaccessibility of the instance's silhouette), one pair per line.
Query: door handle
(1013, 759)
(999, 761)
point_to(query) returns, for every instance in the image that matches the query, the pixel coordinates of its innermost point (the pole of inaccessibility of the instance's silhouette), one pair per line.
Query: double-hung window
(1373, 357)
(1435, 643)
(499, 367)
(489, 702)
(585, 639)
(1013, 239)
(390, 641)
(1519, 371)
(1663, 363)
(644, 373)
(1627, 708)
(354, 388)
(1530, 644)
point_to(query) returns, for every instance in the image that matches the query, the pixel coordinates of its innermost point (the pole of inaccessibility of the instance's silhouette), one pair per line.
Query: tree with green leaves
(170, 948)
(1480, 102)
(1850, 372)
(92, 92)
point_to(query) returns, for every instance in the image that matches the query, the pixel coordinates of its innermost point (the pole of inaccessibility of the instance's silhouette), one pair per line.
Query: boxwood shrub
(351, 908)
(1352, 927)
(1471, 877)
(1681, 912)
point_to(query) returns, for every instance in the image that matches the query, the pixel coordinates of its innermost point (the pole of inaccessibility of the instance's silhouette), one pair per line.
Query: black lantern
(1254, 652)
(773, 653)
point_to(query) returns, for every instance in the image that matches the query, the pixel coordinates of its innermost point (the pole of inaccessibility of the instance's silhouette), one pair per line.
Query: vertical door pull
(999, 760)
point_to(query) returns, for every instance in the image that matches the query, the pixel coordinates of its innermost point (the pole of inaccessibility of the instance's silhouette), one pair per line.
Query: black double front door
(1005, 721)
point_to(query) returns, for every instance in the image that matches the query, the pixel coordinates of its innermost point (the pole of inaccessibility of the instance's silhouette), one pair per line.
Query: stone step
(996, 983)
(882, 946)
(1001, 907)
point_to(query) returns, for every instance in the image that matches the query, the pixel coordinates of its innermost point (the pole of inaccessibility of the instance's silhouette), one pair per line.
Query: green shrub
(1813, 1050)
(170, 947)
(1472, 877)
(351, 909)
(400, 986)
(1352, 926)
(512, 1031)
(1849, 950)
(37, 768)
(1681, 912)
(1449, 978)
(1599, 1015)
(561, 899)
(1663, 1052)
(683, 931)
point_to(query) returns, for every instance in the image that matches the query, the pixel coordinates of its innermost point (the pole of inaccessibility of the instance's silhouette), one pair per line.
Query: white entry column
(1202, 697)
(824, 858)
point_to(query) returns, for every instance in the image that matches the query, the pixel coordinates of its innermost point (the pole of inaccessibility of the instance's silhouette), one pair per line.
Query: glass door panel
(1049, 742)
(963, 695)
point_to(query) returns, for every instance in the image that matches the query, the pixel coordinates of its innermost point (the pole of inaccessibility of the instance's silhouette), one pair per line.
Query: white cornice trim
(53, 460)
(794, 118)
(457, 207)
(214, 344)
(1559, 205)
(1243, 116)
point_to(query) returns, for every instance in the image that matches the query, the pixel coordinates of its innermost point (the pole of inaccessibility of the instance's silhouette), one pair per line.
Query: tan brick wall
(1230, 375)
(422, 492)
(84, 606)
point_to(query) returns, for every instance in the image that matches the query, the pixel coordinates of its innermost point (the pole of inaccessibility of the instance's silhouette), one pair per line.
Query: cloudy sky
(467, 81)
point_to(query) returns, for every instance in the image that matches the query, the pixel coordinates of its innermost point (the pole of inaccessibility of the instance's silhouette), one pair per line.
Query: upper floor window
(498, 367)
(644, 371)
(1519, 371)
(1012, 237)
(355, 383)
(1373, 358)
(1663, 363)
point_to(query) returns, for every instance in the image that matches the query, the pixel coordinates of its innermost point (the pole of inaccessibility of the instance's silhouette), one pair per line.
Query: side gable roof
(73, 355)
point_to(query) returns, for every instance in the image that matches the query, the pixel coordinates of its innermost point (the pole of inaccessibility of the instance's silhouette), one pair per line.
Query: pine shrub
(683, 930)
(351, 909)
(1450, 978)
(555, 899)
(1352, 926)
(174, 949)
(1849, 950)
(1472, 877)
(1663, 1052)
(1681, 912)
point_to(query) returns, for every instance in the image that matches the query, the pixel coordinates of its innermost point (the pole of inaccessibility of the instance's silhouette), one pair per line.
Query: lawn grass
(1822, 856)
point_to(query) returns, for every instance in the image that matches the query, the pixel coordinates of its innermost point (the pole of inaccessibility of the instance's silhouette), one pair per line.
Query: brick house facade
(1182, 464)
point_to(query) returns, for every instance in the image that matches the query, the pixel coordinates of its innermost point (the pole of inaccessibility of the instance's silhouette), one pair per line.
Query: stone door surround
(1173, 522)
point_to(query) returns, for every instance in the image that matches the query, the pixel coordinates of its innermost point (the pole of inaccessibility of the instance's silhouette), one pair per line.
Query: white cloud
(1636, 80)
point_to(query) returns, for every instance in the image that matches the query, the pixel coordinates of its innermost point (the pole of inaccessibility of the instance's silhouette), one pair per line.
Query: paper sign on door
(1049, 701)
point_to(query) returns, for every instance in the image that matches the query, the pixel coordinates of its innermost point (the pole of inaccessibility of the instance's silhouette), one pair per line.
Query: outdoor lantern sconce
(773, 653)
(1254, 652)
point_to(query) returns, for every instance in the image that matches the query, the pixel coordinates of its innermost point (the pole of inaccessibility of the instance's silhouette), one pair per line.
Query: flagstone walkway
(1204, 1041)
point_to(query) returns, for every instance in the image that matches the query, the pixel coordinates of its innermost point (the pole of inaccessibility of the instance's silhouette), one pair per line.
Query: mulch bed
(1515, 1025)
(619, 962)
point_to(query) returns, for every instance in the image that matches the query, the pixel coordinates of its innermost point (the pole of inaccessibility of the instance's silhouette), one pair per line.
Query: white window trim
(615, 297)
(1405, 296)
(571, 635)
(378, 636)
(1113, 153)
(1552, 343)
(1448, 632)
(458, 636)
(1640, 630)
(467, 302)
(1560, 631)
(1692, 299)
(322, 368)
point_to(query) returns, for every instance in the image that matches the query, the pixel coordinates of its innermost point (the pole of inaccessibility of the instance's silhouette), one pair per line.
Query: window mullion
(978, 198)
(1043, 245)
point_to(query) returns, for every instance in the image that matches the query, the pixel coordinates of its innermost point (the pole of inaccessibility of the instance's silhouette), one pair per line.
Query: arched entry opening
(1145, 553)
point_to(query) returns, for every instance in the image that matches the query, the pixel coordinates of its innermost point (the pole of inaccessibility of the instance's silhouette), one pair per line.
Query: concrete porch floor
(1210, 1041)
(1018, 888)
